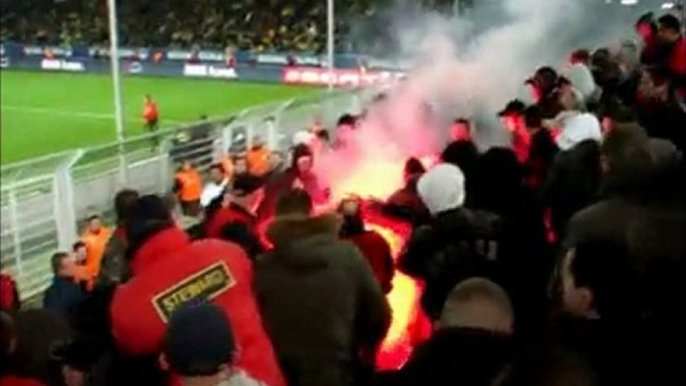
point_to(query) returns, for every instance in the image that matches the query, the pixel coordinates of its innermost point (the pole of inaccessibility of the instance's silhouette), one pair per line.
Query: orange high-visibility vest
(95, 248)
(191, 185)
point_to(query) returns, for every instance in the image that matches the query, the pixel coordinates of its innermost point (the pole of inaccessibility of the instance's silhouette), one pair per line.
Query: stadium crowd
(246, 24)
(556, 261)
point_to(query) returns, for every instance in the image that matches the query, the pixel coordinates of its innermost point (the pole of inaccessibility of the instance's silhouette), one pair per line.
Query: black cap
(513, 107)
(199, 340)
(544, 75)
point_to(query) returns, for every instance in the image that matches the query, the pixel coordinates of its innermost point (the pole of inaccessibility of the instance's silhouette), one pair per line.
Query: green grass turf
(44, 113)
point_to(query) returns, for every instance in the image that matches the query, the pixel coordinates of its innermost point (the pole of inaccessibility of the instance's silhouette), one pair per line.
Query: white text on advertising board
(61, 65)
(204, 70)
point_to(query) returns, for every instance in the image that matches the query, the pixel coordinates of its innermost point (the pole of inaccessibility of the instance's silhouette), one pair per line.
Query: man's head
(247, 191)
(413, 169)
(63, 264)
(186, 165)
(199, 341)
(480, 304)
(302, 159)
(294, 203)
(461, 130)
(581, 56)
(645, 26)
(240, 165)
(123, 202)
(669, 28)
(94, 224)
(598, 281)
(353, 221)
(258, 142)
(217, 173)
(512, 116)
(442, 188)
(542, 82)
(79, 251)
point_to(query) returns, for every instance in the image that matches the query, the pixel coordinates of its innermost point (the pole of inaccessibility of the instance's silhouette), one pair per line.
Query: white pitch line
(65, 113)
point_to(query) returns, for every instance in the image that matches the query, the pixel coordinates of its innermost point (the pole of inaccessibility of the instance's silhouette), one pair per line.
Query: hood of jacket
(299, 241)
(163, 243)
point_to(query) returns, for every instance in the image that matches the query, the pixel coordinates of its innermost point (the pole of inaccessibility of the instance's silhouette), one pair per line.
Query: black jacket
(455, 356)
(457, 245)
(573, 183)
(63, 298)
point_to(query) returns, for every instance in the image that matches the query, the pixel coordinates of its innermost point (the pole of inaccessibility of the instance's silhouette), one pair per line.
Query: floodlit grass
(44, 113)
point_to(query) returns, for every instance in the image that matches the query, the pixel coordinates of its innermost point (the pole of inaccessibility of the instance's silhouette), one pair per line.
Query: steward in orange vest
(188, 188)
(95, 238)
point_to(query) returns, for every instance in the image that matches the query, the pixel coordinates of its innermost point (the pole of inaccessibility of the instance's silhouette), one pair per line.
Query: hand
(298, 184)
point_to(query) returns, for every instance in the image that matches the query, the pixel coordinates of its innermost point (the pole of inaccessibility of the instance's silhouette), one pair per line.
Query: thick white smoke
(464, 66)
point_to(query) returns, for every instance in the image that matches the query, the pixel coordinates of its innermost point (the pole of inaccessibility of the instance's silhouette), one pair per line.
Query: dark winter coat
(542, 153)
(114, 269)
(37, 331)
(63, 298)
(457, 245)
(320, 302)
(573, 183)
(456, 356)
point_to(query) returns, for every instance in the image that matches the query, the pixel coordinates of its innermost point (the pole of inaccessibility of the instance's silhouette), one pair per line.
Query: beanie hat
(199, 340)
(442, 188)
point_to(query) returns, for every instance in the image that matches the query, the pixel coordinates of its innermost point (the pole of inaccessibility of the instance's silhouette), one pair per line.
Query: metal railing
(44, 199)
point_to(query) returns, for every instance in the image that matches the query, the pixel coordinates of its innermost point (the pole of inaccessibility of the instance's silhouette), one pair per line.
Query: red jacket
(9, 296)
(378, 253)
(167, 271)
(677, 61)
(19, 381)
(225, 216)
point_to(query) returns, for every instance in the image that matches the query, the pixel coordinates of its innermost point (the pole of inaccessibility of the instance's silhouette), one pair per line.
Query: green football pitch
(44, 113)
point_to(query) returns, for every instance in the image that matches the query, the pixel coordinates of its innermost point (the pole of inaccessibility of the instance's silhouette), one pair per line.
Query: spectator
(646, 28)
(321, 304)
(200, 348)
(543, 85)
(602, 300)
(299, 175)
(217, 271)
(95, 237)
(580, 76)
(472, 343)
(77, 359)
(238, 205)
(372, 245)
(216, 186)
(64, 294)
(445, 251)
(405, 203)
(465, 156)
(513, 120)
(523, 260)
(26, 338)
(574, 124)
(542, 150)
(188, 188)
(573, 184)
(670, 33)
(238, 232)
(9, 293)
(258, 157)
(547, 366)
(461, 130)
(114, 267)
(627, 168)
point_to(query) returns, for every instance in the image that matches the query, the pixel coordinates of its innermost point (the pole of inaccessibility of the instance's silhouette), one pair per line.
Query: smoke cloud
(461, 66)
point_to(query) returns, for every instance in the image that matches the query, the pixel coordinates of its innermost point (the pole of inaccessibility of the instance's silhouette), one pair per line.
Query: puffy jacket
(320, 302)
(189, 185)
(167, 271)
(457, 245)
